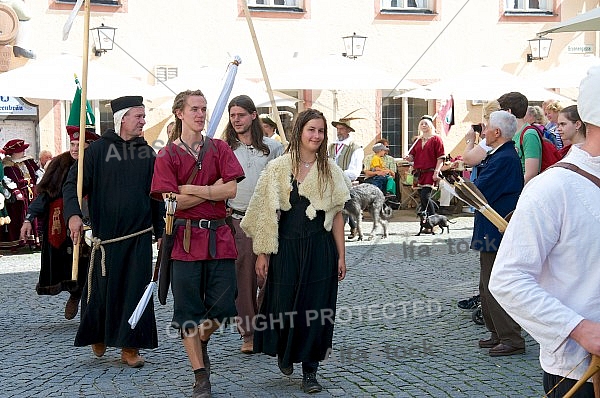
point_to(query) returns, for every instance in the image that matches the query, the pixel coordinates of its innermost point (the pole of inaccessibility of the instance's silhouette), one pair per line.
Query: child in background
(377, 160)
(383, 180)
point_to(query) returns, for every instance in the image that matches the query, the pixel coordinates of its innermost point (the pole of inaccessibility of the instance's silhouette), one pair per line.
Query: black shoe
(310, 385)
(469, 304)
(286, 371)
(353, 233)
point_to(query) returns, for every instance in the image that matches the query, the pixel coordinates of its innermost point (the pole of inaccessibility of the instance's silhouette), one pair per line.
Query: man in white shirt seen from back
(546, 274)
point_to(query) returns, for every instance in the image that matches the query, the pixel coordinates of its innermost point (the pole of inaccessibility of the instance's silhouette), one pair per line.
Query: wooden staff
(494, 217)
(592, 371)
(483, 208)
(264, 73)
(82, 123)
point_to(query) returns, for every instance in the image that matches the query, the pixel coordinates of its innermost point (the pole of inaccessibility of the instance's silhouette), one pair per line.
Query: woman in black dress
(301, 254)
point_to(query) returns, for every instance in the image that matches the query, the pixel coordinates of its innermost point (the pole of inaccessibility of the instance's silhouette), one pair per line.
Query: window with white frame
(406, 5)
(529, 5)
(107, 120)
(275, 3)
(165, 72)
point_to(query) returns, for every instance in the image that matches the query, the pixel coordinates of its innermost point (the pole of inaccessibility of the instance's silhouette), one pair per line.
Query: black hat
(130, 101)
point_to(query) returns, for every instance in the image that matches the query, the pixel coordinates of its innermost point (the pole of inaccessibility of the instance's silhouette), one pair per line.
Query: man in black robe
(117, 173)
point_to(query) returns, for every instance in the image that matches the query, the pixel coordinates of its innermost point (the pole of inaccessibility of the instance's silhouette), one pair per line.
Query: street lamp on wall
(354, 45)
(540, 48)
(104, 37)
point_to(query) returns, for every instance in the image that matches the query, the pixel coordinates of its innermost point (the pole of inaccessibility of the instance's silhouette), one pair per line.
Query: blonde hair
(537, 113)
(178, 105)
(429, 123)
(553, 105)
(490, 107)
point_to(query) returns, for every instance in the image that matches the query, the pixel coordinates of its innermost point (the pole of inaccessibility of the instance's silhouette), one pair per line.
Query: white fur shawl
(272, 193)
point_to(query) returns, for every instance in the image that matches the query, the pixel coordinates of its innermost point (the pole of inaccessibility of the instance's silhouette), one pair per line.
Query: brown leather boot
(71, 307)
(99, 349)
(248, 345)
(132, 358)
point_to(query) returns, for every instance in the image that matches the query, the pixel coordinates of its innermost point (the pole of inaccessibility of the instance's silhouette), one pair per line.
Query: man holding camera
(500, 181)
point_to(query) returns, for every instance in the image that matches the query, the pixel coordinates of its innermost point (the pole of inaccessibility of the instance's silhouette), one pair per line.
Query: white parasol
(482, 83)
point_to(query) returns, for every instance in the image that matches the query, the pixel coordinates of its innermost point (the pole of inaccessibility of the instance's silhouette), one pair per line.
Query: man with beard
(245, 137)
(348, 155)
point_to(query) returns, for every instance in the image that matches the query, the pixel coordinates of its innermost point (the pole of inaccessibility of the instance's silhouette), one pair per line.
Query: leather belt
(211, 225)
(238, 212)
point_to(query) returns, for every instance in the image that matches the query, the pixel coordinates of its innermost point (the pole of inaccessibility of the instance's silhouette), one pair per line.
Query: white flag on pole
(72, 16)
(223, 97)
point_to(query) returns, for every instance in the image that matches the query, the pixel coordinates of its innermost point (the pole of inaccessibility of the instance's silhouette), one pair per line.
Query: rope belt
(98, 244)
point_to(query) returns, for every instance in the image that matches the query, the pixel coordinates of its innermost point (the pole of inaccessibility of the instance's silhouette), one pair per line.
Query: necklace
(188, 148)
(192, 153)
(307, 164)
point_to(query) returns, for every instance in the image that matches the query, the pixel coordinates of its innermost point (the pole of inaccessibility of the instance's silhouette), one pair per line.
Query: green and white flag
(90, 120)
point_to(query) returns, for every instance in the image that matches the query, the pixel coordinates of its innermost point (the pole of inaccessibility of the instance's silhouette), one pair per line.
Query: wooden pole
(264, 73)
(82, 123)
(591, 371)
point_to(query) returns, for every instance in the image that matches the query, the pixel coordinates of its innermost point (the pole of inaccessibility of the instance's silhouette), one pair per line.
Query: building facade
(422, 41)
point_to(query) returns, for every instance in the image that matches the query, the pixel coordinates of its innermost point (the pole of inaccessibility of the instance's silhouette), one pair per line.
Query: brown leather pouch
(187, 235)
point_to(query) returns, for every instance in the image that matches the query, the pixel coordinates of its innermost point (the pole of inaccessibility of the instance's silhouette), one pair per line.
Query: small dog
(368, 197)
(430, 221)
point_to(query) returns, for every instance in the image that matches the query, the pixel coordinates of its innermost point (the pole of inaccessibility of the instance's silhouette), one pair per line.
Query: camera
(476, 128)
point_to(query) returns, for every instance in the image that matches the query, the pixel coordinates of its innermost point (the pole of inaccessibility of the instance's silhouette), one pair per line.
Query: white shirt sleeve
(530, 273)
(356, 164)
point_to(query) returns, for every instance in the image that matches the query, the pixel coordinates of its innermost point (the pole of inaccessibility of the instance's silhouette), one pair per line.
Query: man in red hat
(21, 173)
(57, 249)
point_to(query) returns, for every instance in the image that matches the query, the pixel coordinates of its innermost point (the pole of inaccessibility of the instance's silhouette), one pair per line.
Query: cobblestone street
(398, 333)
